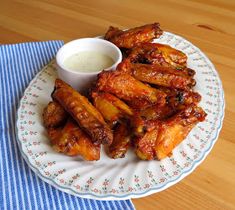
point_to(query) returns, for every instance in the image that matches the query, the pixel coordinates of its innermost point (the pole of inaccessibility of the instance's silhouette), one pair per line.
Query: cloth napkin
(20, 188)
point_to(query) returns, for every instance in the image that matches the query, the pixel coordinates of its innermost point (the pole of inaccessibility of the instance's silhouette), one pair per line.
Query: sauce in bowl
(88, 61)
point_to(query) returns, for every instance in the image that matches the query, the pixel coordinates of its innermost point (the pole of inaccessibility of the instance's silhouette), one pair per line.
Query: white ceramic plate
(129, 177)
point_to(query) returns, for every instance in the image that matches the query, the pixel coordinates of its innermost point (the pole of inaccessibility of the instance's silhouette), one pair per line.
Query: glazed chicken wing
(65, 135)
(158, 75)
(155, 53)
(174, 130)
(129, 38)
(83, 112)
(111, 107)
(71, 140)
(144, 146)
(54, 115)
(179, 99)
(126, 87)
(160, 142)
(146, 119)
(121, 141)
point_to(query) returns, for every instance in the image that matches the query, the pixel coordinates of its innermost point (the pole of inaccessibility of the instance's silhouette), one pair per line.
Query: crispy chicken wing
(121, 141)
(85, 114)
(71, 140)
(146, 119)
(111, 107)
(144, 146)
(155, 53)
(65, 135)
(160, 142)
(158, 75)
(174, 130)
(126, 87)
(129, 38)
(179, 99)
(54, 115)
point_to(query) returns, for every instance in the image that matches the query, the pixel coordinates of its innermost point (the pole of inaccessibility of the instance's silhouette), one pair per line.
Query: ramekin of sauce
(79, 61)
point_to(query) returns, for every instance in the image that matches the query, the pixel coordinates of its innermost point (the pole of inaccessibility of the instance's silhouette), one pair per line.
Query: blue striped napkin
(20, 188)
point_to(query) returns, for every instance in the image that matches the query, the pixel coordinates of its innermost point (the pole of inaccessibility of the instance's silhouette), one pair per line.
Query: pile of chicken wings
(147, 103)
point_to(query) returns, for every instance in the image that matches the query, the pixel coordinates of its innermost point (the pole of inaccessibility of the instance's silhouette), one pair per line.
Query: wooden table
(208, 24)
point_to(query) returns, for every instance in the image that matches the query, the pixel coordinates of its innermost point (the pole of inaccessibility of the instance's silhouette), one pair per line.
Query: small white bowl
(81, 80)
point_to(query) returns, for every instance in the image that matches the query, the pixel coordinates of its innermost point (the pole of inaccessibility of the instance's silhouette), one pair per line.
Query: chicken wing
(54, 115)
(155, 53)
(158, 75)
(65, 135)
(167, 134)
(144, 146)
(174, 130)
(146, 119)
(121, 141)
(129, 38)
(111, 107)
(71, 140)
(126, 87)
(179, 99)
(83, 112)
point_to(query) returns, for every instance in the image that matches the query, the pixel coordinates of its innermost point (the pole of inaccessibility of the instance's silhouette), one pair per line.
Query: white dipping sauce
(88, 61)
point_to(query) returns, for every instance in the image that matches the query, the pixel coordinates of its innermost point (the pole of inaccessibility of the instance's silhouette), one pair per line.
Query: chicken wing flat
(146, 119)
(179, 99)
(129, 38)
(132, 91)
(155, 53)
(111, 107)
(72, 140)
(121, 142)
(174, 130)
(54, 115)
(158, 75)
(160, 142)
(144, 146)
(65, 135)
(83, 112)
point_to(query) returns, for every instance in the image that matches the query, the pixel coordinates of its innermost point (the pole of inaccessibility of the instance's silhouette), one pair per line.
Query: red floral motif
(162, 180)
(183, 153)
(175, 173)
(77, 187)
(150, 174)
(30, 122)
(130, 189)
(50, 163)
(106, 182)
(136, 178)
(89, 181)
(186, 164)
(47, 173)
(95, 190)
(121, 182)
(76, 176)
(113, 191)
(162, 168)
(30, 152)
(61, 171)
(146, 186)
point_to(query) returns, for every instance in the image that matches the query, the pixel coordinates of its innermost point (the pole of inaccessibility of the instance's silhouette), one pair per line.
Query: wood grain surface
(209, 24)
